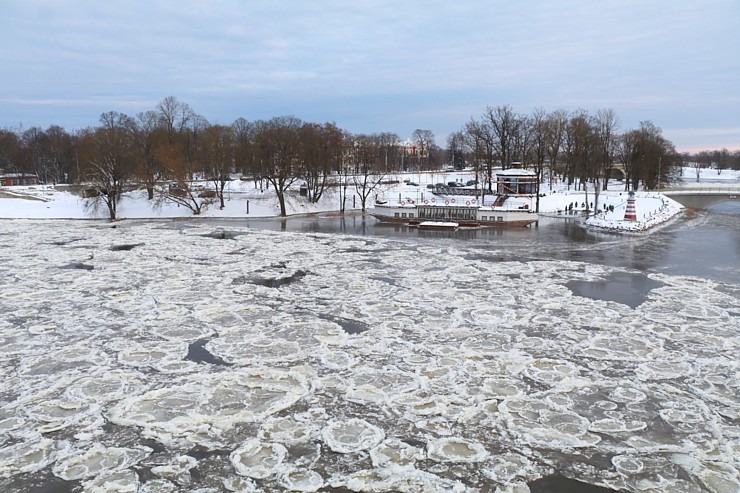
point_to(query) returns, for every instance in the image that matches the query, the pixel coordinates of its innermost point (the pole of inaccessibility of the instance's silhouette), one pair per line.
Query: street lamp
(660, 159)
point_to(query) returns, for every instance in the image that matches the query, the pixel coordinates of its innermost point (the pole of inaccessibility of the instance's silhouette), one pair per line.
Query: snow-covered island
(244, 199)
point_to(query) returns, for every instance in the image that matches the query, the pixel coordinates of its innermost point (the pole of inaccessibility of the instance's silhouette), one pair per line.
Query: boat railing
(468, 192)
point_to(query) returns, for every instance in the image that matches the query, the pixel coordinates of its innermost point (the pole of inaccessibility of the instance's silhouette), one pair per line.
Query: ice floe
(456, 450)
(352, 435)
(388, 365)
(97, 460)
(256, 459)
(27, 456)
(219, 401)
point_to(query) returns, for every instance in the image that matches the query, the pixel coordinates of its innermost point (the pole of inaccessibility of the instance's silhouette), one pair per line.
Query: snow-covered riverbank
(244, 199)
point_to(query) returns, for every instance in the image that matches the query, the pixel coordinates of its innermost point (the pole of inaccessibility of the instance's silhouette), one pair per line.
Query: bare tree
(245, 150)
(175, 116)
(11, 149)
(538, 139)
(456, 149)
(321, 153)
(721, 160)
(345, 170)
(216, 156)
(390, 147)
(655, 151)
(556, 124)
(605, 123)
(582, 150)
(480, 139)
(644, 152)
(181, 189)
(111, 167)
(35, 145)
(278, 151)
(424, 140)
(177, 155)
(503, 124)
(148, 135)
(522, 141)
(628, 149)
(369, 170)
(59, 154)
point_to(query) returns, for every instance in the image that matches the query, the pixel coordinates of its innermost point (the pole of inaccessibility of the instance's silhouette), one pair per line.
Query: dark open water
(706, 245)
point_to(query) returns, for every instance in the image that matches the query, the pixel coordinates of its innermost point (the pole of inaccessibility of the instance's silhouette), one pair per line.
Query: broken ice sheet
(458, 348)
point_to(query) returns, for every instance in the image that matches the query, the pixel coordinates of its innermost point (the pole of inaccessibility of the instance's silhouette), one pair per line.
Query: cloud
(391, 63)
(91, 101)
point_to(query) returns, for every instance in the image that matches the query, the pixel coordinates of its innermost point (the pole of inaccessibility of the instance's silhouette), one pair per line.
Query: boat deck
(437, 225)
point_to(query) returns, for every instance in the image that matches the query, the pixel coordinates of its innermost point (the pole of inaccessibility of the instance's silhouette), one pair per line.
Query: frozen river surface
(163, 358)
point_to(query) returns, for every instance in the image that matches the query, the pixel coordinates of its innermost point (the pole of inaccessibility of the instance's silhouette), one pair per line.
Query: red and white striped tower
(630, 214)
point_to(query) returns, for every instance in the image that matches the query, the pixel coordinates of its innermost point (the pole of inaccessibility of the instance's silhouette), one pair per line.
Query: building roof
(18, 175)
(516, 172)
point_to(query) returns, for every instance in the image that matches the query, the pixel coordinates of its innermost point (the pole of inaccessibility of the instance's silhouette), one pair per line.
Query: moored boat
(464, 212)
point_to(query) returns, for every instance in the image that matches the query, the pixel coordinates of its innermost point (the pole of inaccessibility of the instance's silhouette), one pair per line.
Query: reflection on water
(706, 246)
(558, 484)
(621, 287)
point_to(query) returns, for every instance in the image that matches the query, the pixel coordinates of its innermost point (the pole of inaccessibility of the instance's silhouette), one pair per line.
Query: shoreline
(639, 229)
(245, 202)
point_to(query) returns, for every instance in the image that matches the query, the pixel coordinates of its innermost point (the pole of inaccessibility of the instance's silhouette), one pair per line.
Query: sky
(377, 66)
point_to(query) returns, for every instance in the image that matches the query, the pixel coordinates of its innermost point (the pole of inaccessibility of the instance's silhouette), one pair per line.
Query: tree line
(579, 148)
(164, 151)
(171, 150)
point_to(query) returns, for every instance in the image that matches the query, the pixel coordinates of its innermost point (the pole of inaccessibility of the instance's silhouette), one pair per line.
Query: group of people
(574, 205)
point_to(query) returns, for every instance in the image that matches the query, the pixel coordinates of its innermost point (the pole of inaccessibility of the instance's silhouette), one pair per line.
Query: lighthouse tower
(630, 214)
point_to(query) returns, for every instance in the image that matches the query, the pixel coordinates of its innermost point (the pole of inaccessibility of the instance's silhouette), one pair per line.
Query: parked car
(470, 183)
(453, 184)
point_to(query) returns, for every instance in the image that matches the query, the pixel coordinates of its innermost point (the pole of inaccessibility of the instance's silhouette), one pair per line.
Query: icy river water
(337, 355)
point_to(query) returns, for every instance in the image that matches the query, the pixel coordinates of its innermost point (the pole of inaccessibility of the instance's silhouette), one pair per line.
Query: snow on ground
(244, 199)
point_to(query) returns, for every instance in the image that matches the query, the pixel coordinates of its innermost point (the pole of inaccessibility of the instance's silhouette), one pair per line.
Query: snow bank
(243, 199)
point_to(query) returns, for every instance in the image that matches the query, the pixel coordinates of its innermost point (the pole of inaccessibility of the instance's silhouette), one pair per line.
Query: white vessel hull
(463, 214)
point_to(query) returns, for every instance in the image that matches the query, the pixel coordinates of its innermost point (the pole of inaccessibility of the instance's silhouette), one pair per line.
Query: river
(707, 245)
(339, 354)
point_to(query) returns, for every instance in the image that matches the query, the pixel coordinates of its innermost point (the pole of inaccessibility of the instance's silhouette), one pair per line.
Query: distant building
(14, 179)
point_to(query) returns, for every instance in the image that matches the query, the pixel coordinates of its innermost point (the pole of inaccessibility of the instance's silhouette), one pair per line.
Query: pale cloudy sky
(374, 65)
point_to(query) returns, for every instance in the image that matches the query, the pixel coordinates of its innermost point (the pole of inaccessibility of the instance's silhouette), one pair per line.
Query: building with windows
(515, 181)
(15, 179)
